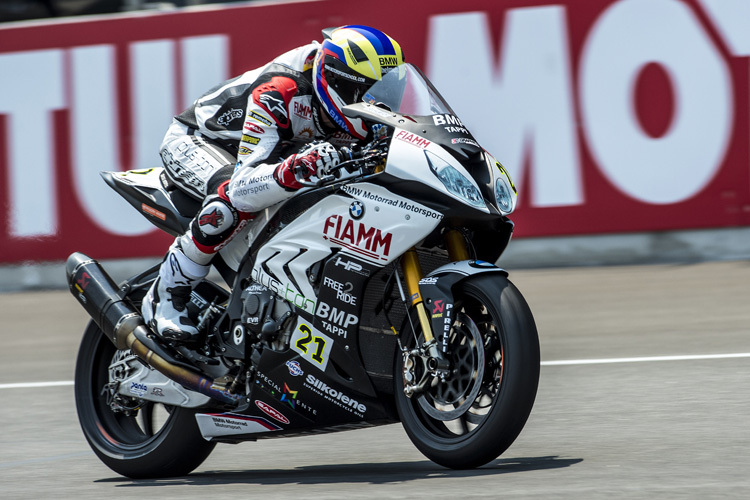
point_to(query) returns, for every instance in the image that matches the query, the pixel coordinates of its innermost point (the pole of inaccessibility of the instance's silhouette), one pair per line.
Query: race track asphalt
(644, 393)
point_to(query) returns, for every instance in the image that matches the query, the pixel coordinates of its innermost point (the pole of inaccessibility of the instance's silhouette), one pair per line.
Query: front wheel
(476, 413)
(135, 438)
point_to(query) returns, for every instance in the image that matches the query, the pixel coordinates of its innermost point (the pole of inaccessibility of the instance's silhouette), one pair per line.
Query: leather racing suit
(242, 130)
(246, 127)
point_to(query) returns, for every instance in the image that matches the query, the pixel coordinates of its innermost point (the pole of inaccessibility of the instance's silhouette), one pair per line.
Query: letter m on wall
(522, 109)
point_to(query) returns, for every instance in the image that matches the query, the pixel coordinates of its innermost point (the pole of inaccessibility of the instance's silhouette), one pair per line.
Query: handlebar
(351, 159)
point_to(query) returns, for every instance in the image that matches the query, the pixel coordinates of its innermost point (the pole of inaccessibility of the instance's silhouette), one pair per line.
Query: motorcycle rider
(238, 146)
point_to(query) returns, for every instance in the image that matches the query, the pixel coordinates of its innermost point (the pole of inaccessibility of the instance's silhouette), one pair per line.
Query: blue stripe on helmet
(377, 38)
(335, 49)
(330, 108)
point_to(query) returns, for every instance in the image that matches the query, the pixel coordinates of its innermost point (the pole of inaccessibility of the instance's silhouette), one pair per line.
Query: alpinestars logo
(214, 219)
(230, 116)
(273, 102)
(179, 277)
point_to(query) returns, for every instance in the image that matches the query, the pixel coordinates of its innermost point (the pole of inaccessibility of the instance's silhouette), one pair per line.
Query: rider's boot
(164, 307)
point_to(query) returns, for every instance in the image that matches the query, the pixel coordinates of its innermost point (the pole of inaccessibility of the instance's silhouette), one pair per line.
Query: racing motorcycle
(370, 297)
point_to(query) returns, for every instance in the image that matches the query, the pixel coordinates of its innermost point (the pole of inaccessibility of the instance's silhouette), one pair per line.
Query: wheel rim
(136, 424)
(472, 319)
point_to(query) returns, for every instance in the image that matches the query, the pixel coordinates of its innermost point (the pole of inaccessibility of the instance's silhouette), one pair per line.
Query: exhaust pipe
(123, 326)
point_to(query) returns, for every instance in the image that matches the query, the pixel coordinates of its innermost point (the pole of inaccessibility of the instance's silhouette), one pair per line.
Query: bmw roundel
(357, 210)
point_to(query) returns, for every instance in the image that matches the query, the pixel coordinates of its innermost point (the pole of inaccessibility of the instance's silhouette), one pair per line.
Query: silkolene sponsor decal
(335, 396)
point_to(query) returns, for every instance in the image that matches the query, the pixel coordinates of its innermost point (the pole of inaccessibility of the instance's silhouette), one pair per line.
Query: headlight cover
(506, 195)
(454, 181)
(503, 197)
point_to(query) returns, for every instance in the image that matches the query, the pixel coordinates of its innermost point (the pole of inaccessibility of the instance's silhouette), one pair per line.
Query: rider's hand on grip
(319, 157)
(313, 158)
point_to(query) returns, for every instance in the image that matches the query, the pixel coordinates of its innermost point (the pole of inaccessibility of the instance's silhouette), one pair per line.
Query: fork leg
(412, 274)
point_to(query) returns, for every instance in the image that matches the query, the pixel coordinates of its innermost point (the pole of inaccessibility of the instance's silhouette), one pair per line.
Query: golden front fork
(456, 245)
(413, 273)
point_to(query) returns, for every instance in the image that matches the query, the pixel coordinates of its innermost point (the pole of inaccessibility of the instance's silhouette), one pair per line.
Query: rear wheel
(135, 438)
(477, 412)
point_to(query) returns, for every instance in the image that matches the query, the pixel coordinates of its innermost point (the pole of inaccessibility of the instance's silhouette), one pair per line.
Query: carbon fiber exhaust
(123, 325)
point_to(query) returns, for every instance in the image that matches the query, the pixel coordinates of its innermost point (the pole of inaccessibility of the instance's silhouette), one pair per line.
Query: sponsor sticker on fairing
(295, 370)
(271, 411)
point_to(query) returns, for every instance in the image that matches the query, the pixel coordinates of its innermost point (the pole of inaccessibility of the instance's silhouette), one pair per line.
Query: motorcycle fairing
(299, 388)
(289, 393)
(408, 159)
(437, 292)
(322, 371)
(446, 129)
(364, 222)
(328, 342)
(219, 426)
(305, 390)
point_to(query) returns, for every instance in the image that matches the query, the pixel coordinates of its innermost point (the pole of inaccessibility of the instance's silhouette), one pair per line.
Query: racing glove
(312, 158)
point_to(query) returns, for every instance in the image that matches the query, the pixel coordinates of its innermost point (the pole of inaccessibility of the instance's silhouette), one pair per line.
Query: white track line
(645, 359)
(33, 385)
(563, 362)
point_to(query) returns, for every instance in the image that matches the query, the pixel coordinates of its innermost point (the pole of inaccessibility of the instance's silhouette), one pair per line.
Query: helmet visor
(349, 85)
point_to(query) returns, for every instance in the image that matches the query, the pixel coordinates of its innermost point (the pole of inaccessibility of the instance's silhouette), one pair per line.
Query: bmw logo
(357, 210)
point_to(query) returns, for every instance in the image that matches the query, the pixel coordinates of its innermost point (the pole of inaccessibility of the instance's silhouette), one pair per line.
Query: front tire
(140, 439)
(475, 416)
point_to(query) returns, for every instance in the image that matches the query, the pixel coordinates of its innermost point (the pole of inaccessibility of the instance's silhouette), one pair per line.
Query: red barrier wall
(611, 116)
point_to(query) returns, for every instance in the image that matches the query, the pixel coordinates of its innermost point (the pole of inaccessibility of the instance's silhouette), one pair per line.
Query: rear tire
(152, 441)
(476, 416)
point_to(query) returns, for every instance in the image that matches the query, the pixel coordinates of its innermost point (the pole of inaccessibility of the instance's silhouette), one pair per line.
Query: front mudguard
(437, 293)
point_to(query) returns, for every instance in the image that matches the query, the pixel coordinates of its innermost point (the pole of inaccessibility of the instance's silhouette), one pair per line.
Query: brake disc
(467, 360)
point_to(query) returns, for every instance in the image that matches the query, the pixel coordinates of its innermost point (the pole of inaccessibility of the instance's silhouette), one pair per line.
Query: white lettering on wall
(679, 164)
(523, 110)
(34, 84)
(31, 87)
(202, 68)
(731, 18)
(96, 137)
(522, 107)
(154, 97)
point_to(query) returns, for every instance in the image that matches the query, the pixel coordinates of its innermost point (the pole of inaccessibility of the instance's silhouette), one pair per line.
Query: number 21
(302, 344)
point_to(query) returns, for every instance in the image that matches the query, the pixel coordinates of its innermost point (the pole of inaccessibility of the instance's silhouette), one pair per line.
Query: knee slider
(216, 221)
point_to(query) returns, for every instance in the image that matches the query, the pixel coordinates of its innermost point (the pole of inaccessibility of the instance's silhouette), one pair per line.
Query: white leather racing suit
(242, 129)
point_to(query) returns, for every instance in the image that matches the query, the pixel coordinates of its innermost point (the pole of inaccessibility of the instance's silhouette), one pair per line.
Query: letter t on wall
(31, 87)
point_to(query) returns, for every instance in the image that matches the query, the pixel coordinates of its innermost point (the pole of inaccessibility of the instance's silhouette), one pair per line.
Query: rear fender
(149, 192)
(437, 292)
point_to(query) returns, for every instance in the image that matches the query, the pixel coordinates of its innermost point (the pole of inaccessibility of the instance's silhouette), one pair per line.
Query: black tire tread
(177, 450)
(518, 392)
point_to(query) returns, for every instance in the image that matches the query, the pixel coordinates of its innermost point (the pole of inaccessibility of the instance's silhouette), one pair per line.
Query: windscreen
(407, 91)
